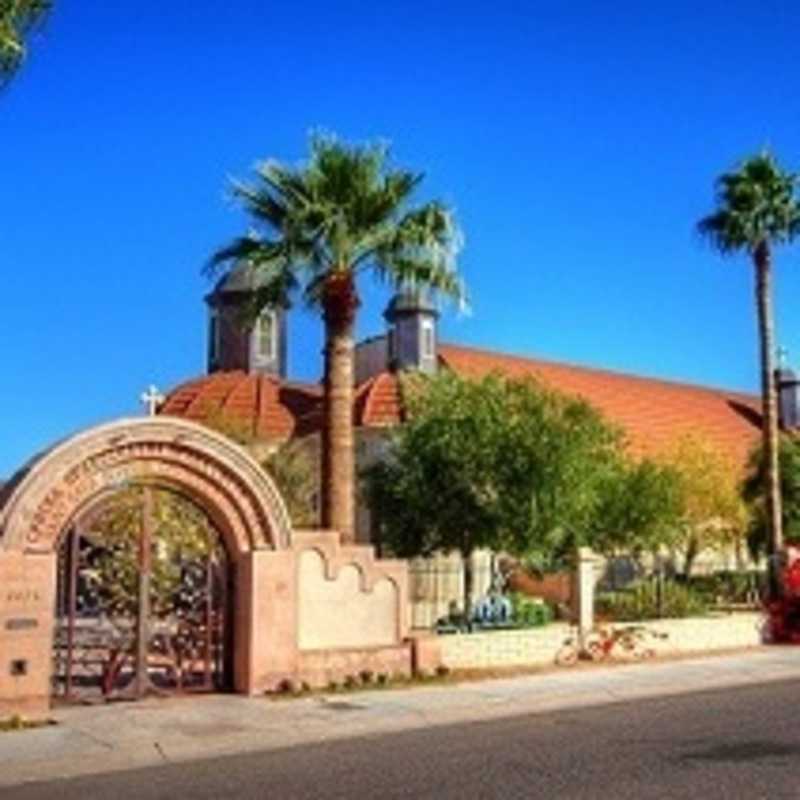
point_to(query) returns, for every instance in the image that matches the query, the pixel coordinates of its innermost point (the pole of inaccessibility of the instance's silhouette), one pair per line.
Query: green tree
(181, 534)
(318, 228)
(712, 512)
(758, 532)
(492, 463)
(17, 19)
(757, 209)
(641, 505)
(293, 471)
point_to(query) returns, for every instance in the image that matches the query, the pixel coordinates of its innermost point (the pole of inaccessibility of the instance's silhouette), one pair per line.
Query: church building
(246, 390)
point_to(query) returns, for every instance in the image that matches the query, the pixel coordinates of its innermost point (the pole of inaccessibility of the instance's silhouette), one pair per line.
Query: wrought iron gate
(137, 615)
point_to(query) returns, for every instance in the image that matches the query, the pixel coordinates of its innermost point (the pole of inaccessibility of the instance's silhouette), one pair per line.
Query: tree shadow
(743, 752)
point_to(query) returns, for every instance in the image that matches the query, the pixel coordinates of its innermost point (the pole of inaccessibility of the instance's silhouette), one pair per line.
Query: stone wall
(499, 649)
(320, 611)
(341, 610)
(538, 646)
(321, 667)
(698, 634)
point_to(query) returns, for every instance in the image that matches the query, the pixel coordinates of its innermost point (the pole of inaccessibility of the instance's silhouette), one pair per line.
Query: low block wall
(530, 647)
(320, 667)
(538, 646)
(698, 634)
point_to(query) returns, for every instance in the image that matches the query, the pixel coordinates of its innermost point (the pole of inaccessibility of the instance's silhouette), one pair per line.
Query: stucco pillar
(265, 643)
(27, 599)
(585, 577)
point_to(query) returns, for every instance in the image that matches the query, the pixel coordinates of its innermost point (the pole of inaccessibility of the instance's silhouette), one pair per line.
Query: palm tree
(318, 228)
(758, 209)
(17, 17)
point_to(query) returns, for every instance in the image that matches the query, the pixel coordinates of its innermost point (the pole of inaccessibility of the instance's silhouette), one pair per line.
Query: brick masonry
(538, 646)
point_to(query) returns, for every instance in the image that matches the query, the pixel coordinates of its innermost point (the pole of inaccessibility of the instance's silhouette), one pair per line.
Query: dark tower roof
(242, 279)
(236, 339)
(409, 301)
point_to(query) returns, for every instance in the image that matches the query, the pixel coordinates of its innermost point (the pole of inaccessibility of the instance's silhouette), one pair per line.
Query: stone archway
(45, 498)
(241, 499)
(307, 607)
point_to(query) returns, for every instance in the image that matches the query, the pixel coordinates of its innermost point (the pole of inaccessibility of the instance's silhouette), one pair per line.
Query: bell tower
(235, 341)
(412, 331)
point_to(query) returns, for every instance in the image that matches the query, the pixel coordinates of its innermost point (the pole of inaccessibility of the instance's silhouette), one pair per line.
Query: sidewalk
(125, 736)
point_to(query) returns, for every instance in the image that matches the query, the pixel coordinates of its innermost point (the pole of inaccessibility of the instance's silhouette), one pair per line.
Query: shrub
(744, 586)
(442, 671)
(530, 612)
(13, 723)
(383, 679)
(640, 602)
(366, 676)
(350, 682)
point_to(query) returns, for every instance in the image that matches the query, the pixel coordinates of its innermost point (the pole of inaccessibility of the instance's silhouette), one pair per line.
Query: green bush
(350, 682)
(729, 587)
(640, 602)
(529, 612)
(366, 676)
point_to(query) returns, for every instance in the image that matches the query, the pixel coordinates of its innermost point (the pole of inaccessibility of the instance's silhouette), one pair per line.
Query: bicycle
(628, 643)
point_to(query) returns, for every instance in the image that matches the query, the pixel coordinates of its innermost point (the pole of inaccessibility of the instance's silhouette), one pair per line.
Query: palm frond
(245, 249)
(422, 253)
(755, 204)
(17, 19)
(344, 210)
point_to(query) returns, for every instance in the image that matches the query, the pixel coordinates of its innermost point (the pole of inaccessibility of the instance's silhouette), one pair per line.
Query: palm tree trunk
(766, 335)
(340, 302)
(469, 583)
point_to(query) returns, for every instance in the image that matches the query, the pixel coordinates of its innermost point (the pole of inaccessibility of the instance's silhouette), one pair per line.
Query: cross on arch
(151, 400)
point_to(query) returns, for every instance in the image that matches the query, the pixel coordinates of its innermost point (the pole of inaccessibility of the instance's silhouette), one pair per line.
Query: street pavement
(727, 722)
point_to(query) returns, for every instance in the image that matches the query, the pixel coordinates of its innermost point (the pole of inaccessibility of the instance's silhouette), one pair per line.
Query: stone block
(26, 629)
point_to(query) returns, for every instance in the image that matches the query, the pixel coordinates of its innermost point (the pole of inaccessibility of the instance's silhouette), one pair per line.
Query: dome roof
(261, 407)
(247, 405)
(410, 301)
(378, 402)
(244, 277)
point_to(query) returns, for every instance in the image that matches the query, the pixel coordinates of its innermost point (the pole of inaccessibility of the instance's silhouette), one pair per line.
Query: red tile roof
(378, 402)
(247, 404)
(263, 407)
(652, 412)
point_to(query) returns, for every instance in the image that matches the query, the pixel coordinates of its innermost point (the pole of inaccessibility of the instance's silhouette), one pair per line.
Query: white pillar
(586, 563)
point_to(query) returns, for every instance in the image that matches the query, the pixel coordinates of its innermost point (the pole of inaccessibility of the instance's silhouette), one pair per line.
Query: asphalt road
(742, 743)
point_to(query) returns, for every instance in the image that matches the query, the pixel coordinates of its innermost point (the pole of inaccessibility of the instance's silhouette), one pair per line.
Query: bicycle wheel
(594, 647)
(567, 656)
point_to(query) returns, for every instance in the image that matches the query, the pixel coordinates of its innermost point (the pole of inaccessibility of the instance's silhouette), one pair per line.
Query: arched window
(428, 343)
(213, 336)
(266, 335)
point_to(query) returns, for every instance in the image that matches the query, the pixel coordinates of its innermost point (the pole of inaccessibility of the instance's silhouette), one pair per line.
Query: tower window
(427, 339)
(266, 338)
(213, 337)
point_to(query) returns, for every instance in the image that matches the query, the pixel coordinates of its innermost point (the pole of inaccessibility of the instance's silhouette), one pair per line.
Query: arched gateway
(44, 497)
(304, 606)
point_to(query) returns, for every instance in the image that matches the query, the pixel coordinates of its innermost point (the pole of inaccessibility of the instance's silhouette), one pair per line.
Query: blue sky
(577, 142)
